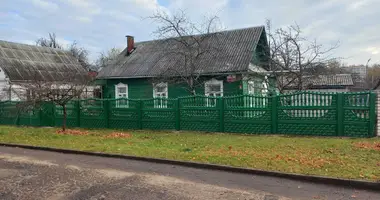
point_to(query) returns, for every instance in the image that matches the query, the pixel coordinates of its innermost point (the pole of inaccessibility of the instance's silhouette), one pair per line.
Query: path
(31, 174)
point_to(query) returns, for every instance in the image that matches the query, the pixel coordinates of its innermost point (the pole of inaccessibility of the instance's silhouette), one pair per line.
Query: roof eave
(206, 74)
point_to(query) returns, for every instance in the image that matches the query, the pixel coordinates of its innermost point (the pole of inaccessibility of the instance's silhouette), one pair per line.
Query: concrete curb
(315, 179)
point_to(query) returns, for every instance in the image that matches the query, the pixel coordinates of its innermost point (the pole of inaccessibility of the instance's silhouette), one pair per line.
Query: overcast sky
(102, 24)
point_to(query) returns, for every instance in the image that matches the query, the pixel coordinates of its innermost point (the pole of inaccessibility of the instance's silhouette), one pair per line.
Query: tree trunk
(192, 88)
(64, 118)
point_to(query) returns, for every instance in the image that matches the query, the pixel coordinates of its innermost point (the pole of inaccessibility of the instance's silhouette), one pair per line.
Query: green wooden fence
(305, 113)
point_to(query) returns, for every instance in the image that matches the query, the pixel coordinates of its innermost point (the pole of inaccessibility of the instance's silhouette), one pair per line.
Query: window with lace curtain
(121, 92)
(160, 93)
(213, 88)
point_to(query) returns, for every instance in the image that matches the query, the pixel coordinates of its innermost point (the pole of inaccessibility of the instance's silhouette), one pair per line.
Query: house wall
(143, 89)
(4, 87)
(377, 112)
(8, 91)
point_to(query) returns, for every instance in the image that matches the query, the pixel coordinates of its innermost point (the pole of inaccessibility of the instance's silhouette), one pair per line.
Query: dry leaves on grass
(119, 135)
(72, 132)
(367, 145)
(310, 159)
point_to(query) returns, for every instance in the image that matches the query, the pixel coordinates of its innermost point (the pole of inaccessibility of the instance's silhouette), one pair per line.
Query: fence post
(40, 115)
(372, 115)
(106, 112)
(340, 114)
(77, 109)
(274, 114)
(177, 115)
(140, 112)
(221, 114)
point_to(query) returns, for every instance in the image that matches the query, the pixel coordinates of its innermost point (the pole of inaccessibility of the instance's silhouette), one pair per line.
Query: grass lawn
(334, 157)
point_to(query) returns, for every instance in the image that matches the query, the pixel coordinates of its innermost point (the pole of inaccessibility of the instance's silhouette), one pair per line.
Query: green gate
(248, 114)
(124, 113)
(200, 113)
(158, 114)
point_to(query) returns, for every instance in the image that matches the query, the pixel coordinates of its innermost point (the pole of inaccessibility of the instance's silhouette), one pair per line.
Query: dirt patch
(119, 135)
(72, 132)
(73, 167)
(199, 191)
(115, 174)
(367, 145)
(27, 160)
(4, 173)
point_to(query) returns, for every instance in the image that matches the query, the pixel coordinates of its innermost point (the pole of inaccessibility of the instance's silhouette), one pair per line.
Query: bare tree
(373, 76)
(183, 46)
(292, 56)
(366, 77)
(51, 41)
(80, 53)
(37, 91)
(107, 57)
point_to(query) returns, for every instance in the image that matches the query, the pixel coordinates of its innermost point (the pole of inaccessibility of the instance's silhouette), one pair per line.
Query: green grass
(333, 157)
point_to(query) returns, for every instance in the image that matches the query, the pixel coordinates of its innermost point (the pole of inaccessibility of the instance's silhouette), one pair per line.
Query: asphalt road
(31, 174)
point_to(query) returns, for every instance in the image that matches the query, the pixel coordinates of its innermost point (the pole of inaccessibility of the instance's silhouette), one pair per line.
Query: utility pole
(366, 73)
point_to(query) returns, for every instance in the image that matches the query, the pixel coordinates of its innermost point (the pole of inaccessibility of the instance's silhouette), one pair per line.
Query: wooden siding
(142, 88)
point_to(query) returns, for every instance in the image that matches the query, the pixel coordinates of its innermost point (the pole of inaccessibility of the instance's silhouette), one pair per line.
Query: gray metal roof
(22, 62)
(322, 81)
(151, 58)
(330, 80)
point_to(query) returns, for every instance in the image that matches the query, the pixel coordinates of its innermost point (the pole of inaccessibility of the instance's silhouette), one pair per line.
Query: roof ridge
(42, 47)
(223, 31)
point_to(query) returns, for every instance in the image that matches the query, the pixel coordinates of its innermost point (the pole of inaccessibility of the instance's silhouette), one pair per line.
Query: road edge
(367, 185)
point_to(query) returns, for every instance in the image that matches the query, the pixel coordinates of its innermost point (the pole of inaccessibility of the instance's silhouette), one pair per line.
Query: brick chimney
(130, 44)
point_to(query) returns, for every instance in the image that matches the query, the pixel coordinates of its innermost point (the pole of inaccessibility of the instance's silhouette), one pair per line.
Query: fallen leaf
(367, 145)
(119, 135)
(72, 132)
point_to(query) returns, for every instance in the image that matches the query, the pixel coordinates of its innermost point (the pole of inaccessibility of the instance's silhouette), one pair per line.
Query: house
(237, 67)
(21, 64)
(320, 83)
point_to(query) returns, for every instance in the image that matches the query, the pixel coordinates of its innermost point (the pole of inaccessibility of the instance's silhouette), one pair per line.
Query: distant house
(359, 70)
(237, 68)
(323, 83)
(21, 63)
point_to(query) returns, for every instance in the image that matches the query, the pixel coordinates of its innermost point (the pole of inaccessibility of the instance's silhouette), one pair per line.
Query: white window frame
(121, 85)
(212, 102)
(160, 100)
